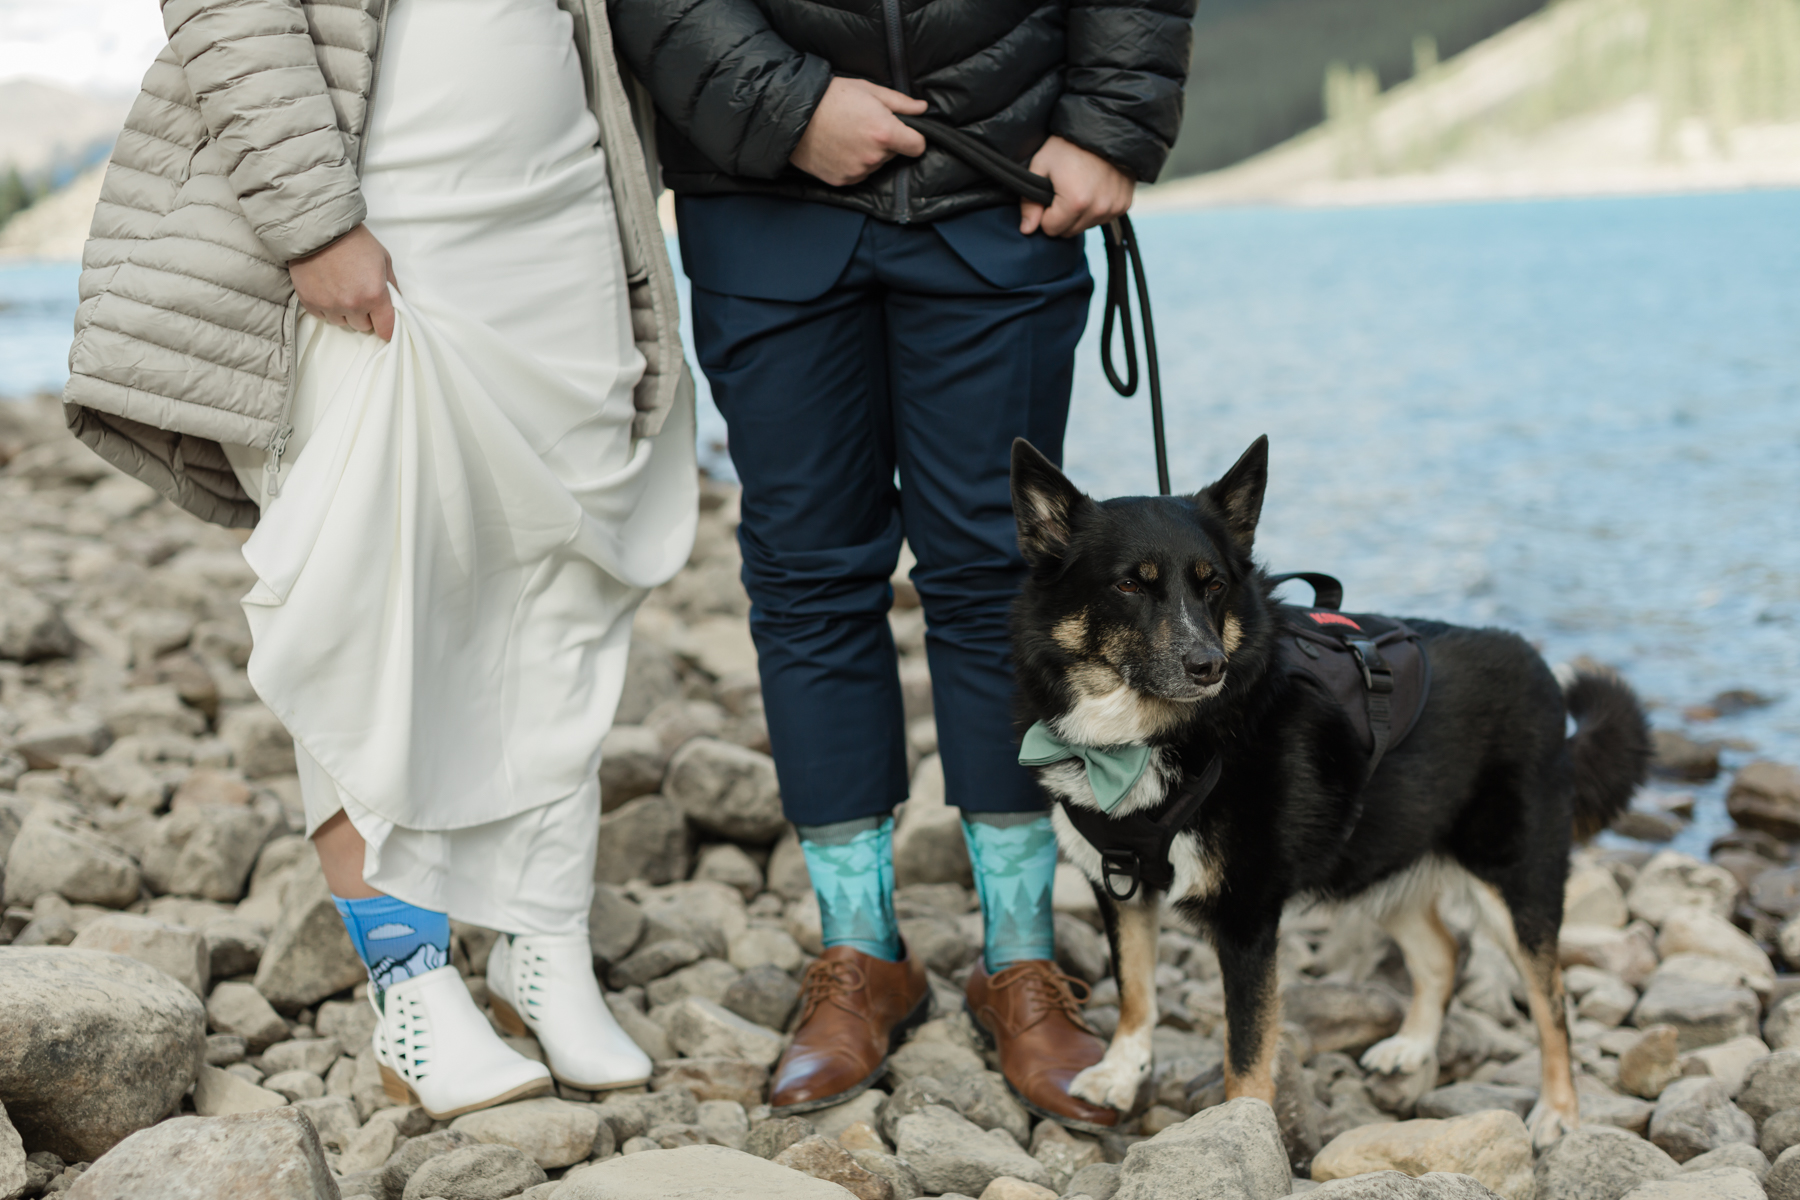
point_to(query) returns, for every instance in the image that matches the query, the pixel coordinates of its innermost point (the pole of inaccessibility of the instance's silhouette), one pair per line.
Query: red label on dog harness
(1331, 618)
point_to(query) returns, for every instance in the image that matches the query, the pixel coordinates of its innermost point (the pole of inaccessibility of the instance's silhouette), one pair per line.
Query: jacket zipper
(902, 79)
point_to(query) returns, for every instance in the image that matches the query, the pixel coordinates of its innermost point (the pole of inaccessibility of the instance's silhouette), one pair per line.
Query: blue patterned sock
(1014, 856)
(852, 868)
(394, 939)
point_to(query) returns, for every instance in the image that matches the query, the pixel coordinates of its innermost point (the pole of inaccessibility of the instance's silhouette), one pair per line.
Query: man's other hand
(854, 131)
(1089, 191)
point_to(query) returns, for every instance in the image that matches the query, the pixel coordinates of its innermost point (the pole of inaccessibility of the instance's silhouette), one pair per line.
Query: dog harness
(1374, 668)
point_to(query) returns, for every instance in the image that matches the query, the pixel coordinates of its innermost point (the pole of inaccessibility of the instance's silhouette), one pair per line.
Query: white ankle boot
(544, 984)
(437, 1050)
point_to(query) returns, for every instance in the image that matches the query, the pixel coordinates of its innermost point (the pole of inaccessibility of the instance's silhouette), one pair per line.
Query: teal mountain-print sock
(395, 940)
(852, 868)
(1014, 856)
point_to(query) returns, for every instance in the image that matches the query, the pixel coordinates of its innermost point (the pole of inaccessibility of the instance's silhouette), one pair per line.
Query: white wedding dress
(463, 526)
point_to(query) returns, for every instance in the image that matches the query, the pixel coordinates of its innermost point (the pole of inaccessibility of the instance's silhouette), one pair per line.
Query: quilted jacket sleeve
(1127, 63)
(723, 78)
(253, 69)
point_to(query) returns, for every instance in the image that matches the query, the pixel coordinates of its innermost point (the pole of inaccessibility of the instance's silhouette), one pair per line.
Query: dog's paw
(1112, 1082)
(1546, 1126)
(1398, 1055)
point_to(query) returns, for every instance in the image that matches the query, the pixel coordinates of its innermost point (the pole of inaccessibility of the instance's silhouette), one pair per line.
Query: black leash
(1123, 260)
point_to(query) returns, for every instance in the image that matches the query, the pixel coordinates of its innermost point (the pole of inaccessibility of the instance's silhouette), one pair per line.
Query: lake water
(1578, 419)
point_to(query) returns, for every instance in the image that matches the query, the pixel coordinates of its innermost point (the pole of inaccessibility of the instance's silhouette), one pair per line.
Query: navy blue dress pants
(883, 407)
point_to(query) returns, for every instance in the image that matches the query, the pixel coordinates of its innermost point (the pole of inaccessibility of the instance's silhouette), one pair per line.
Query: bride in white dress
(454, 541)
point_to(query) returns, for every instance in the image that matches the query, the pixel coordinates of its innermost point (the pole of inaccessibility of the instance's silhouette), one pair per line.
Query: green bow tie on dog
(1112, 771)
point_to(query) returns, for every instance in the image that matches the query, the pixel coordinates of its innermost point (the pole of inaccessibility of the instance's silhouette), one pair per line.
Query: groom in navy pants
(878, 322)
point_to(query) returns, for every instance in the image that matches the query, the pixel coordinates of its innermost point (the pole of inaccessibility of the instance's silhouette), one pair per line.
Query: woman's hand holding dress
(346, 283)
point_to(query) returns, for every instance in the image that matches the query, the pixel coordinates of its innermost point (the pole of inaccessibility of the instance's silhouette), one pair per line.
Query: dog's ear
(1238, 494)
(1044, 501)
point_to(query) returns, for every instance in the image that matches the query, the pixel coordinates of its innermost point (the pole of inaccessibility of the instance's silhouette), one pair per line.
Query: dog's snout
(1205, 667)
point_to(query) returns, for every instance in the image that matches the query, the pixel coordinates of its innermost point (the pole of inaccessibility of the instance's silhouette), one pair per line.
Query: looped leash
(1124, 265)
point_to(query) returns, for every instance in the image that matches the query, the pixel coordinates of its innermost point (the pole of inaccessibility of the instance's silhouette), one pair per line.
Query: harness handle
(1124, 265)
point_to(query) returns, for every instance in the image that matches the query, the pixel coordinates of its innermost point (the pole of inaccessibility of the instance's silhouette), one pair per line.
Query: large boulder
(949, 1153)
(1695, 1115)
(555, 1133)
(206, 850)
(272, 1155)
(13, 1173)
(1230, 1152)
(694, 1173)
(309, 956)
(726, 790)
(96, 1047)
(1771, 1084)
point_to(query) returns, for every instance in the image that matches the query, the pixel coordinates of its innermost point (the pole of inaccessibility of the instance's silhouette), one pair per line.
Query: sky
(88, 45)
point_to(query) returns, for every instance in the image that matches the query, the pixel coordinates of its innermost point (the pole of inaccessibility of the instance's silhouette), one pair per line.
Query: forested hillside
(1259, 66)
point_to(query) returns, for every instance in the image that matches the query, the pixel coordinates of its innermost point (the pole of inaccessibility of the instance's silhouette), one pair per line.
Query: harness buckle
(1377, 676)
(1116, 862)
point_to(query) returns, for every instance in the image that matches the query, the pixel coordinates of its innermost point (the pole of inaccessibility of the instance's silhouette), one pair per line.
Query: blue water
(1578, 419)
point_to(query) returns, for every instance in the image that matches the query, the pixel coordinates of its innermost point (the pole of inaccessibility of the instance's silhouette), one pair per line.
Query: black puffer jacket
(736, 82)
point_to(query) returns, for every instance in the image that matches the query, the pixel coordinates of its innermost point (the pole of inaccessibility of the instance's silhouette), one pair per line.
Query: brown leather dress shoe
(1032, 1018)
(856, 1007)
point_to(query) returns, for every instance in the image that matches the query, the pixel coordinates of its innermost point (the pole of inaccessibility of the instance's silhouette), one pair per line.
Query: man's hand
(854, 131)
(1089, 191)
(346, 283)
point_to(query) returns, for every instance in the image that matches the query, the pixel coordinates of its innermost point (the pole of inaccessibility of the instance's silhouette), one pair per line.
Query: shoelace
(1046, 989)
(830, 980)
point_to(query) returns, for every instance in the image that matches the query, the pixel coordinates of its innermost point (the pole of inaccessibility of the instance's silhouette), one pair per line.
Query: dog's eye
(1215, 586)
(1129, 586)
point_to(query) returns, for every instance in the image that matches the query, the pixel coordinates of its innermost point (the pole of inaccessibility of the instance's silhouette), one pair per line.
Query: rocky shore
(181, 1014)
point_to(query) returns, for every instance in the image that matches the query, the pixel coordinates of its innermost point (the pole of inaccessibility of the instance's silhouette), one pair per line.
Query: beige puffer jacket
(241, 154)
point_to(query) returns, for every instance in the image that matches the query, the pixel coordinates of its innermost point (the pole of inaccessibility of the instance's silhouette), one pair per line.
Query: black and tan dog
(1146, 623)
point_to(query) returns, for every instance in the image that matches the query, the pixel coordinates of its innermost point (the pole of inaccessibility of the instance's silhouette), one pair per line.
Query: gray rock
(949, 1153)
(260, 744)
(714, 1079)
(701, 1028)
(646, 839)
(691, 1173)
(53, 854)
(1651, 1062)
(1599, 1163)
(223, 1049)
(639, 1028)
(727, 790)
(1695, 1115)
(772, 1137)
(725, 1122)
(614, 924)
(295, 1085)
(1297, 1111)
(556, 1133)
(1729, 1183)
(96, 1047)
(234, 946)
(653, 962)
(271, 1155)
(415, 1153)
(940, 943)
(1783, 1180)
(1099, 1180)
(1771, 1084)
(632, 759)
(1081, 949)
(940, 1060)
(13, 1172)
(312, 1055)
(929, 846)
(205, 851)
(765, 995)
(787, 873)
(651, 678)
(234, 1090)
(1766, 795)
(31, 629)
(177, 952)
(240, 1009)
(1460, 1099)
(899, 1176)
(766, 946)
(1342, 1016)
(822, 1158)
(984, 1099)
(710, 978)
(1779, 1131)
(351, 1022)
(724, 862)
(1234, 1150)
(1734, 1154)
(1703, 1014)
(915, 1094)
(309, 956)
(475, 1173)
(1395, 1185)
(335, 1117)
(630, 1116)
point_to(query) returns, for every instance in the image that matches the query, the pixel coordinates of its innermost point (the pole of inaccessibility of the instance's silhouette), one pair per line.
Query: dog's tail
(1611, 746)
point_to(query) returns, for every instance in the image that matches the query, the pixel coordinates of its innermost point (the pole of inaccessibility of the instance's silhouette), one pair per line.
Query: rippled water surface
(1577, 419)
